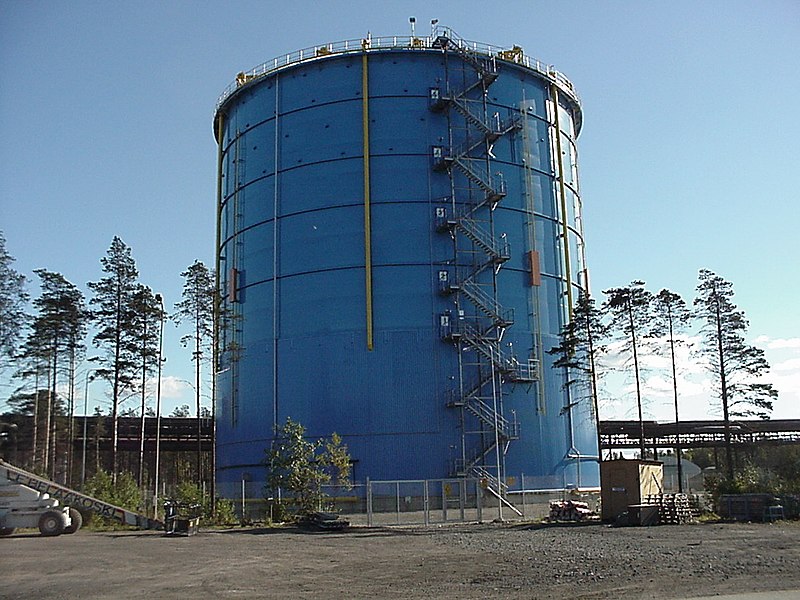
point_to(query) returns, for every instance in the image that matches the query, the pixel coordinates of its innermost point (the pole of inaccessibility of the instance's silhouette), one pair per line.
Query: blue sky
(688, 157)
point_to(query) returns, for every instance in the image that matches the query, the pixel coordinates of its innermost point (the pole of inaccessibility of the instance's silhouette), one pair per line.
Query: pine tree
(630, 309)
(100, 431)
(581, 343)
(13, 299)
(33, 365)
(34, 404)
(736, 366)
(670, 318)
(114, 317)
(55, 339)
(197, 308)
(180, 412)
(146, 317)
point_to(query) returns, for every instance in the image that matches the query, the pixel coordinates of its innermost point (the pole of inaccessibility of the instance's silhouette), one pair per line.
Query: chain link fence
(438, 501)
(426, 501)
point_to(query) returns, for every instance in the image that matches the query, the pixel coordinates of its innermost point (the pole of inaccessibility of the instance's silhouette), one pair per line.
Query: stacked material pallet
(570, 510)
(673, 509)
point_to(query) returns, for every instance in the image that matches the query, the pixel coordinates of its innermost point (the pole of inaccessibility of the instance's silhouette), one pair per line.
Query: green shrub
(278, 512)
(190, 493)
(225, 514)
(125, 493)
(301, 467)
(747, 480)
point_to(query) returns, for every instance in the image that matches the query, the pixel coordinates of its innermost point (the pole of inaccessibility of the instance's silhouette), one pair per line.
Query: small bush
(190, 493)
(302, 467)
(748, 480)
(225, 515)
(125, 493)
(278, 512)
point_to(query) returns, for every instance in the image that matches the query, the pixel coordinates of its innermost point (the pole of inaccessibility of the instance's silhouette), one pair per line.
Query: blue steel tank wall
(557, 447)
(292, 247)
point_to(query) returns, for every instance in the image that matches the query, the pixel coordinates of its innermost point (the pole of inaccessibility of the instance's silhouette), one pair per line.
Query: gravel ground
(454, 561)
(656, 562)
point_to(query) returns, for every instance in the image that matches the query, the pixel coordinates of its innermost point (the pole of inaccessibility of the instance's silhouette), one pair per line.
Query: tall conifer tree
(581, 343)
(197, 308)
(670, 318)
(146, 316)
(736, 366)
(630, 309)
(13, 298)
(113, 303)
(56, 337)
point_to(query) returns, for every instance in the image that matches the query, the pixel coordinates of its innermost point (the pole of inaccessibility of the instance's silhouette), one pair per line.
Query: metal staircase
(495, 487)
(493, 187)
(485, 67)
(477, 325)
(496, 250)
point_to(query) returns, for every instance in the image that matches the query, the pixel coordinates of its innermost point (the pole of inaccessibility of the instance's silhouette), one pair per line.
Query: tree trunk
(71, 428)
(593, 371)
(140, 478)
(197, 355)
(35, 416)
(115, 399)
(51, 390)
(723, 388)
(675, 392)
(638, 386)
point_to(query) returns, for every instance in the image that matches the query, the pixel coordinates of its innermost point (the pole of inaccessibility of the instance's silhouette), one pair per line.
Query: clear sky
(688, 158)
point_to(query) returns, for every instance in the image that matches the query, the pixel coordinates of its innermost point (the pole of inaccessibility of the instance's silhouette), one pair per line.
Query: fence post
(369, 503)
(462, 496)
(444, 483)
(425, 503)
(479, 499)
(397, 497)
(522, 479)
(244, 518)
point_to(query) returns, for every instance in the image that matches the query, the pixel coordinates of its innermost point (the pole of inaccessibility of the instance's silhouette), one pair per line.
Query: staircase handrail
(484, 300)
(496, 249)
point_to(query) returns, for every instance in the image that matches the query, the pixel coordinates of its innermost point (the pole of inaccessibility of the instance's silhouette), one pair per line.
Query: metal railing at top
(372, 43)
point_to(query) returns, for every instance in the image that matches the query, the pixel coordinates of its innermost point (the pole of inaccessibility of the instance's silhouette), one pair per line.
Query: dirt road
(464, 561)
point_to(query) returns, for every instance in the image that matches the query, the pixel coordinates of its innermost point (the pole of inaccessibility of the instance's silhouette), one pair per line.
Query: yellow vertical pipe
(563, 193)
(367, 216)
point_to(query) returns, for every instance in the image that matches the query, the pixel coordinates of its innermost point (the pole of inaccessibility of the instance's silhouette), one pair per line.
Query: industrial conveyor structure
(26, 497)
(476, 328)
